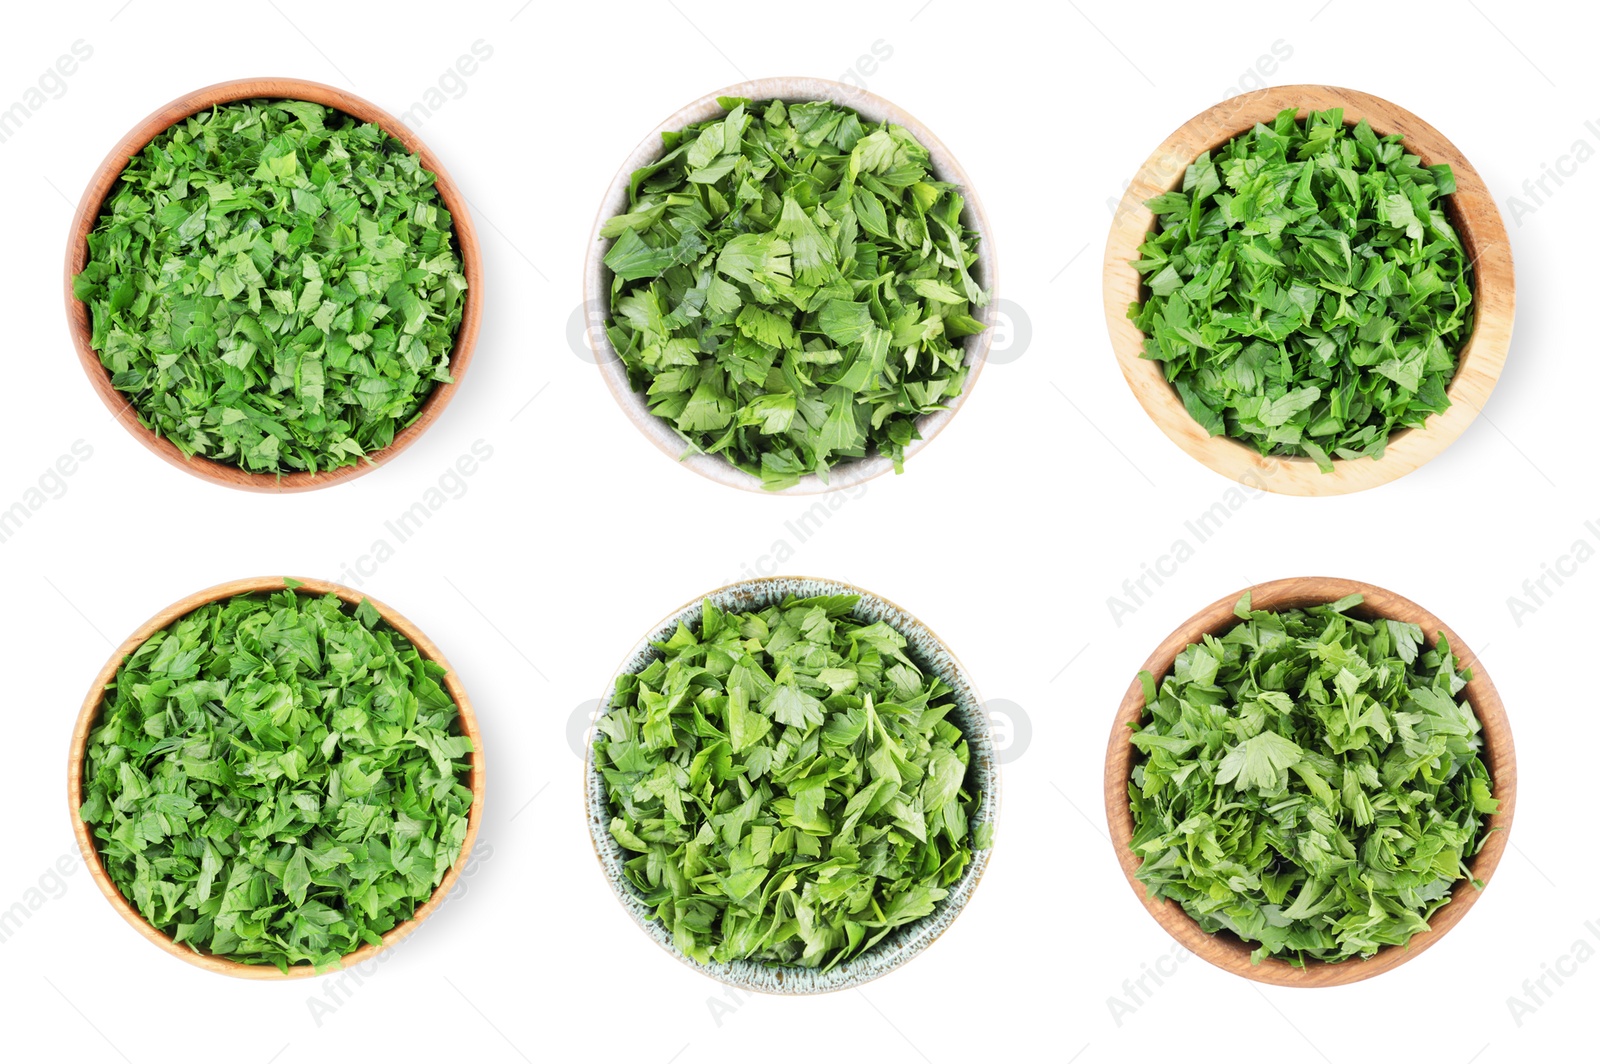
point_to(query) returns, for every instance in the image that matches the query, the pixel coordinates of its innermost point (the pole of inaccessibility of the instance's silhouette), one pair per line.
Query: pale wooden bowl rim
(856, 971)
(597, 281)
(1226, 950)
(1473, 213)
(104, 180)
(89, 714)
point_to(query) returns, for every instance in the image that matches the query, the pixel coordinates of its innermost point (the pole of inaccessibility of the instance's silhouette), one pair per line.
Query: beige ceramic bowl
(597, 279)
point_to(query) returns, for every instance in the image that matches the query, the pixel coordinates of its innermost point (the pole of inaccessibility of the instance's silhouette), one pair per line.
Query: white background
(1006, 536)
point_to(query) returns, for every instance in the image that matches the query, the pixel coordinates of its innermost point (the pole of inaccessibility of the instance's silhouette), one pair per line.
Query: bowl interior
(88, 215)
(89, 715)
(1225, 949)
(597, 278)
(1472, 213)
(1458, 221)
(903, 943)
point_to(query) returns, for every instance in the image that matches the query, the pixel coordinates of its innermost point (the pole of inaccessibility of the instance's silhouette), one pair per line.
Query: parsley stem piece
(786, 785)
(276, 779)
(1309, 782)
(1308, 295)
(274, 285)
(791, 287)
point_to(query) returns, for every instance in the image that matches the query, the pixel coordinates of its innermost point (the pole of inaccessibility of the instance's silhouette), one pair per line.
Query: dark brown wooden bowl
(105, 178)
(1226, 950)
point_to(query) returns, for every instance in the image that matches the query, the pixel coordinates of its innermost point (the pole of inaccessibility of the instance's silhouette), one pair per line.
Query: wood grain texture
(1471, 210)
(1226, 950)
(597, 280)
(105, 177)
(89, 714)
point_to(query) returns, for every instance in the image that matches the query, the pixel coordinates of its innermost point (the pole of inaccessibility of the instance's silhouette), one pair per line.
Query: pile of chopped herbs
(1307, 294)
(790, 287)
(273, 285)
(787, 784)
(275, 779)
(1310, 782)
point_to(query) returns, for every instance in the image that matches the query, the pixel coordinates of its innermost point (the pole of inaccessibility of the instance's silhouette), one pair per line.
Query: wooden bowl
(1226, 950)
(899, 946)
(89, 714)
(105, 178)
(597, 280)
(1473, 214)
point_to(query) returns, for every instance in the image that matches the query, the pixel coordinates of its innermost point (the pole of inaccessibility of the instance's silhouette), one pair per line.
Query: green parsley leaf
(274, 285)
(788, 784)
(791, 286)
(1307, 292)
(277, 779)
(1309, 781)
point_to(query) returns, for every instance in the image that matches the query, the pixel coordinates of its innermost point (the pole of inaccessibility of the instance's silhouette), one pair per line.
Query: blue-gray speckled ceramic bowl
(931, 655)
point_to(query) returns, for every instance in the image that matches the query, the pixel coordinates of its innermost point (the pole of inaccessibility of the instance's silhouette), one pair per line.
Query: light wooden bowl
(968, 714)
(1471, 211)
(89, 715)
(597, 280)
(104, 180)
(1226, 950)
